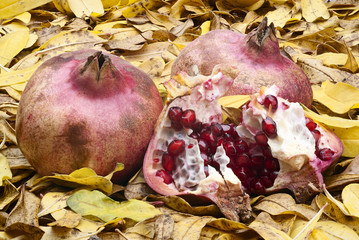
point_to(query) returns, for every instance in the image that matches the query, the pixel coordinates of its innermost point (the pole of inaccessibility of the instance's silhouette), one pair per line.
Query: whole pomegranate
(274, 147)
(87, 109)
(256, 55)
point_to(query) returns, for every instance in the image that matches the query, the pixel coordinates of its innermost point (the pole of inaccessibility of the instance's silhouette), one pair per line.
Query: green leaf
(96, 204)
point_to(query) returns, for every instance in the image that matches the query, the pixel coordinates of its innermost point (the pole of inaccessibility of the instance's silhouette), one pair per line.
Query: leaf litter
(320, 36)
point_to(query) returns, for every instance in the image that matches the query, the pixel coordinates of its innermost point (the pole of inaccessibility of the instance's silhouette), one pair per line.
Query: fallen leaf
(314, 9)
(179, 204)
(11, 44)
(69, 220)
(5, 172)
(82, 177)
(96, 204)
(10, 8)
(23, 217)
(308, 228)
(350, 196)
(281, 203)
(164, 225)
(53, 201)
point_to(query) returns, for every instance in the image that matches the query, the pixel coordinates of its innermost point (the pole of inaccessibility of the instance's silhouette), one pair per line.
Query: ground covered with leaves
(320, 36)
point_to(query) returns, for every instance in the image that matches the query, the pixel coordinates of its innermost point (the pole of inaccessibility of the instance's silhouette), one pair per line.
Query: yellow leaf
(161, 19)
(318, 234)
(69, 220)
(281, 203)
(235, 101)
(96, 204)
(350, 196)
(24, 17)
(314, 9)
(336, 231)
(268, 232)
(339, 97)
(280, 16)
(336, 202)
(190, 228)
(17, 77)
(205, 27)
(11, 44)
(5, 172)
(11, 8)
(82, 177)
(53, 201)
(305, 231)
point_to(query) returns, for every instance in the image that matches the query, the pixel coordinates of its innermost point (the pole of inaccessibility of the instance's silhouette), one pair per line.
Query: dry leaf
(96, 204)
(23, 217)
(69, 220)
(350, 196)
(82, 177)
(281, 203)
(164, 227)
(10, 8)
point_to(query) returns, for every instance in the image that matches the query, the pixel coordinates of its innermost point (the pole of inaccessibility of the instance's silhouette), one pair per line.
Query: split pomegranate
(256, 54)
(87, 109)
(274, 147)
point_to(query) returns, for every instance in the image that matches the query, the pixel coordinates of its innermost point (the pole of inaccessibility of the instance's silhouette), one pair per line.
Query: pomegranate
(87, 109)
(274, 147)
(256, 55)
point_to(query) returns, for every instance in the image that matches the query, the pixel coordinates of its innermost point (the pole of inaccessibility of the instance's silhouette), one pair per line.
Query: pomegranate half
(256, 55)
(87, 109)
(274, 147)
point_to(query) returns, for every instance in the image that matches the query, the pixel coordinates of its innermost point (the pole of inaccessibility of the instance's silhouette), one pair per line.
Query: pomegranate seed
(266, 181)
(188, 118)
(203, 145)
(209, 137)
(167, 178)
(241, 146)
(176, 147)
(190, 146)
(325, 154)
(175, 114)
(270, 100)
(156, 160)
(257, 161)
(285, 106)
(316, 134)
(242, 160)
(168, 162)
(273, 175)
(216, 129)
(220, 141)
(229, 148)
(271, 164)
(243, 173)
(257, 186)
(194, 135)
(310, 124)
(261, 139)
(228, 128)
(267, 153)
(269, 127)
(197, 126)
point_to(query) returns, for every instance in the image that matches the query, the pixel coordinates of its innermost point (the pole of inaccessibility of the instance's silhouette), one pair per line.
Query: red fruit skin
(87, 109)
(258, 57)
(229, 197)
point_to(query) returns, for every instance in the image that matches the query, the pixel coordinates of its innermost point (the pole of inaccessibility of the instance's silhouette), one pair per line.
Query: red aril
(271, 149)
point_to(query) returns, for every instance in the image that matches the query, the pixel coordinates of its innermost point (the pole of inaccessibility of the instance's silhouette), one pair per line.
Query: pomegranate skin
(256, 55)
(87, 109)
